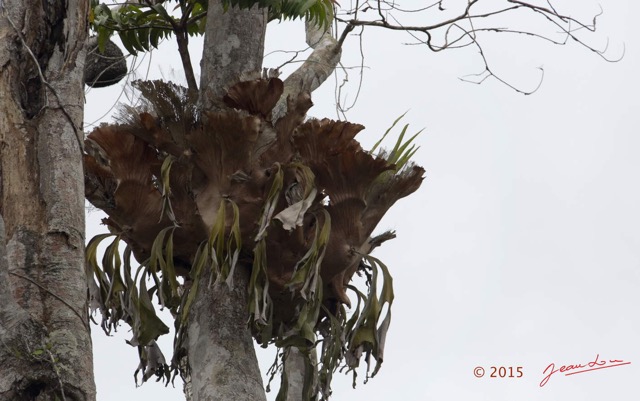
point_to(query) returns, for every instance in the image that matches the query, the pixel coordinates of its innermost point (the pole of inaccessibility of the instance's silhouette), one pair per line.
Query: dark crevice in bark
(32, 99)
(42, 41)
(37, 390)
(34, 389)
(56, 14)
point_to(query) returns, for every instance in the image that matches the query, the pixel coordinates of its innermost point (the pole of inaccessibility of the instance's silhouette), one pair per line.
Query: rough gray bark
(295, 371)
(45, 344)
(221, 352)
(233, 49)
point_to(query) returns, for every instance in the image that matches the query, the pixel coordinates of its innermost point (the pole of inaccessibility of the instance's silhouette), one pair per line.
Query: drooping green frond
(369, 332)
(122, 296)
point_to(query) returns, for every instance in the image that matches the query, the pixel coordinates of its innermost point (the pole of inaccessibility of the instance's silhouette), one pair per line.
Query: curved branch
(316, 68)
(383, 23)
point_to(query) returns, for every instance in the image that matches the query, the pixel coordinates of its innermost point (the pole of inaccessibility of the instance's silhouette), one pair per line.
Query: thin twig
(344, 110)
(463, 28)
(489, 72)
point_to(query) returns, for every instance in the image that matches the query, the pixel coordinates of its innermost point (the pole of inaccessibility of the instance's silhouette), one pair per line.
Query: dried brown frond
(258, 96)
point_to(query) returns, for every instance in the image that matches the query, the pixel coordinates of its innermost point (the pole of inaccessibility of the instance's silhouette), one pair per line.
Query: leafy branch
(142, 25)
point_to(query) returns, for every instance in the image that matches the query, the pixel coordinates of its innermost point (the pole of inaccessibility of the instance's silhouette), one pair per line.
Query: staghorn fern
(295, 202)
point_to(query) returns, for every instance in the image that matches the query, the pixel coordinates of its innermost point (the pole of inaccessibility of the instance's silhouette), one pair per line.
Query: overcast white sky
(521, 248)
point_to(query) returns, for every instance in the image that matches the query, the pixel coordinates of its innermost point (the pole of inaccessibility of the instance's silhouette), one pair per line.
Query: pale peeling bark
(314, 71)
(294, 369)
(45, 344)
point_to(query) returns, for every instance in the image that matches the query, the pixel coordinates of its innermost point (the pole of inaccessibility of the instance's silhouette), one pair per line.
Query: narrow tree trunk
(45, 344)
(221, 355)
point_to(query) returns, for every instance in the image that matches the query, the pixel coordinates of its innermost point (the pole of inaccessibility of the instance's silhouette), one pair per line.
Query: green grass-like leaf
(402, 151)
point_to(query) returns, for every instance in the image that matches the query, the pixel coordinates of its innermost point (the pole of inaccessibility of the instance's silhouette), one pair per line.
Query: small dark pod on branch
(106, 68)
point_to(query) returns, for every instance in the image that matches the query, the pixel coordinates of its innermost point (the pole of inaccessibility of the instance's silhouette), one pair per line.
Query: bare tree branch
(466, 26)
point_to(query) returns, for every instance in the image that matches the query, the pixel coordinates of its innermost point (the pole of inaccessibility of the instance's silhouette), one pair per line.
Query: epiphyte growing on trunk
(293, 201)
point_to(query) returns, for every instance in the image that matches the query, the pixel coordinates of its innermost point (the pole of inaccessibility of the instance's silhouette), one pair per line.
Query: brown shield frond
(257, 97)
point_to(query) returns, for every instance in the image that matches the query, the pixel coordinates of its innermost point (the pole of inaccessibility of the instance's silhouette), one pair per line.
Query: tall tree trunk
(45, 344)
(221, 355)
